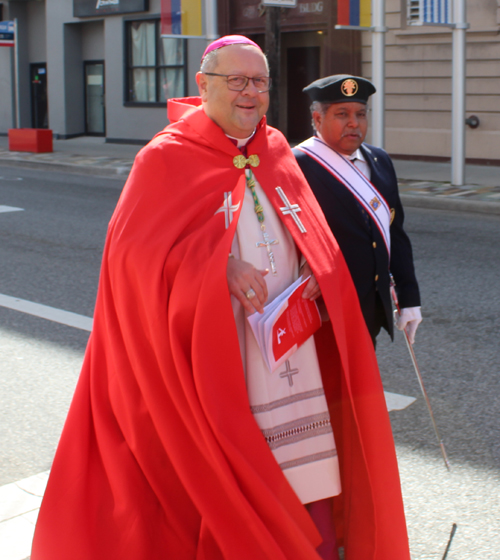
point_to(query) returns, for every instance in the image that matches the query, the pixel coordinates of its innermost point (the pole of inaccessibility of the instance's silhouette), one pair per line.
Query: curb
(438, 202)
(113, 172)
(448, 203)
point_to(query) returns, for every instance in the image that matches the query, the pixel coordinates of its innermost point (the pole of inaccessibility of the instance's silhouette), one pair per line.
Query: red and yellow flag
(181, 17)
(354, 13)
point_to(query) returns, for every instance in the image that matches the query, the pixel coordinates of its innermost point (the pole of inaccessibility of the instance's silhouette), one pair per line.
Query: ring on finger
(250, 294)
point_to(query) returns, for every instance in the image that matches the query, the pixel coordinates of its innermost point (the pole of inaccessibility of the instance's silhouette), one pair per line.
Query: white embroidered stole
(289, 405)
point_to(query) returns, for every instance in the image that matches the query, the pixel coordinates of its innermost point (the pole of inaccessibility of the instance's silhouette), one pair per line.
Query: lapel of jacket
(343, 195)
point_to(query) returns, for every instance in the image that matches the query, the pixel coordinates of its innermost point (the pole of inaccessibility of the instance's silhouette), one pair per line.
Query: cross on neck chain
(259, 211)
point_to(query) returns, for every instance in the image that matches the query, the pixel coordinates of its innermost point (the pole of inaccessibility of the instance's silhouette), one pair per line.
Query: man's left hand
(409, 318)
(312, 291)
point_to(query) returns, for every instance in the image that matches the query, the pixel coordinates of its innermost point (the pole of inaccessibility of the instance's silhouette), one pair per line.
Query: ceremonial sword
(452, 534)
(419, 375)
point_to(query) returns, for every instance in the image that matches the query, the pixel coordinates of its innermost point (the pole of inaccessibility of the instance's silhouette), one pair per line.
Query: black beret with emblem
(339, 88)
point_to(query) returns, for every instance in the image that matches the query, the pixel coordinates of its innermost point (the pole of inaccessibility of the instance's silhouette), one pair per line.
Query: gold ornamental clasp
(241, 161)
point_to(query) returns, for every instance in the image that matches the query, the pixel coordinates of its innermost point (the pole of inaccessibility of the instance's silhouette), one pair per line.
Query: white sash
(289, 404)
(352, 178)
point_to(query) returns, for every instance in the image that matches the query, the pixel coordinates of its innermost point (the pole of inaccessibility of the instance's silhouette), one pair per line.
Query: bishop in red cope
(179, 442)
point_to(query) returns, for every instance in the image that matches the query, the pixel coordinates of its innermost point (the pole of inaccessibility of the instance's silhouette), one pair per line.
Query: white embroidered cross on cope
(291, 209)
(228, 208)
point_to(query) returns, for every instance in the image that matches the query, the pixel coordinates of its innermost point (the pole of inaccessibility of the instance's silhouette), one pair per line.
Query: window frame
(128, 67)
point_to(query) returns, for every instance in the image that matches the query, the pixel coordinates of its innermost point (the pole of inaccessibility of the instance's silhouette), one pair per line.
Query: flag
(354, 13)
(435, 11)
(6, 33)
(181, 17)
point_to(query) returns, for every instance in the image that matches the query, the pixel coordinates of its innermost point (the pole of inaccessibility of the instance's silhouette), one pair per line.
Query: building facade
(96, 67)
(101, 67)
(418, 83)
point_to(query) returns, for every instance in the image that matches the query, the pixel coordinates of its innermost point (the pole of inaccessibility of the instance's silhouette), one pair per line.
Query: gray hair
(321, 107)
(209, 63)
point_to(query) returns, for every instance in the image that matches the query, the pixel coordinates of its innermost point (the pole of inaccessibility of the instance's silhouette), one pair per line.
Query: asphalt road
(457, 258)
(50, 253)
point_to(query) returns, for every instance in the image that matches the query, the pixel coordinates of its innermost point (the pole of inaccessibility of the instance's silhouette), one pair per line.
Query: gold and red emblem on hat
(349, 87)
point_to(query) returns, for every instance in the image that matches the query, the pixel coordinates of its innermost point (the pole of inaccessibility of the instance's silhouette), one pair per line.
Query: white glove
(409, 318)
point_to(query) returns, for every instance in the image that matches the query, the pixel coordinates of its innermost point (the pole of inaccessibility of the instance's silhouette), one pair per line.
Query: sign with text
(280, 3)
(87, 8)
(246, 17)
(6, 33)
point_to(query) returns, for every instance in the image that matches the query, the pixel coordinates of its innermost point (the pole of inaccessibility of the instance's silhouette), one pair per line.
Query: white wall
(6, 112)
(93, 40)
(57, 13)
(37, 44)
(73, 79)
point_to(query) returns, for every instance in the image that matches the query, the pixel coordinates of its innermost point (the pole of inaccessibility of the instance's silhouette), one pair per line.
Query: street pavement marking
(45, 312)
(10, 209)
(393, 400)
(397, 402)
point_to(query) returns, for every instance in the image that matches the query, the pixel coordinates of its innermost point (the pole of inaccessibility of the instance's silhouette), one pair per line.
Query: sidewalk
(86, 155)
(422, 184)
(19, 504)
(428, 185)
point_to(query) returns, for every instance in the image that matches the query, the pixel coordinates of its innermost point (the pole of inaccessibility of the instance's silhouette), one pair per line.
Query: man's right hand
(242, 278)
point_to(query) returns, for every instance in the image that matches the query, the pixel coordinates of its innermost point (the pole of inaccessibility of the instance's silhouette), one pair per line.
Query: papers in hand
(287, 322)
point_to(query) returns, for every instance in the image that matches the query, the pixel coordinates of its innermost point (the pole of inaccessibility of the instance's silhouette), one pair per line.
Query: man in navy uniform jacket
(356, 186)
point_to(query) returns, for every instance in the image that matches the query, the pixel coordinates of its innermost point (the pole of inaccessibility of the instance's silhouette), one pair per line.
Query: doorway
(38, 81)
(303, 67)
(94, 98)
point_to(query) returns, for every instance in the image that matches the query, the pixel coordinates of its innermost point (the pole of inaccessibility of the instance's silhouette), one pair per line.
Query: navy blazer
(361, 242)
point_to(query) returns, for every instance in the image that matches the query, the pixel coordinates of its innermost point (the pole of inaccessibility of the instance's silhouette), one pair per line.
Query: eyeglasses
(239, 83)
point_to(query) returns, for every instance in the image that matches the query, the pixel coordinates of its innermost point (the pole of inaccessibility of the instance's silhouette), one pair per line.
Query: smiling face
(236, 112)
(343, 126)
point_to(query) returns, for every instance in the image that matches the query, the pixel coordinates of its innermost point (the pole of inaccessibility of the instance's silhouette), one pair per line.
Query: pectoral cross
(267, 244)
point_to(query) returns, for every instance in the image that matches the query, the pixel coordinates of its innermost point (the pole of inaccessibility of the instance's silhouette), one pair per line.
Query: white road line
(397, 402)
(393, 400)
(10, 209)
(45, 312)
